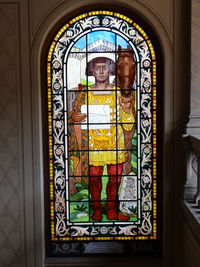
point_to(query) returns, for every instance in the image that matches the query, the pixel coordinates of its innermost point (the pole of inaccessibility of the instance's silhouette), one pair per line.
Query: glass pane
(76, 76)
(100, 41)
(80, 45)
(102, 131)
(122, 42)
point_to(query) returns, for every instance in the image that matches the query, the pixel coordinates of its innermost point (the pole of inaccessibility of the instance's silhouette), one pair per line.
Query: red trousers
(95, 184)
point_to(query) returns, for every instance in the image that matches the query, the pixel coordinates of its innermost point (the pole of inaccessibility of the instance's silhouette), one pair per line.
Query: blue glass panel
(100, 41)
(121, 41)
(79, 45)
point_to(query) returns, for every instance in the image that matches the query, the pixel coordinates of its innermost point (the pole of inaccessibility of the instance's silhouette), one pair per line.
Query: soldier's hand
(126, 103)
(78, 116)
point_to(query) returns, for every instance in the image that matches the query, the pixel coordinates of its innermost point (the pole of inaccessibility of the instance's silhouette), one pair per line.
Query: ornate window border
(54, 82)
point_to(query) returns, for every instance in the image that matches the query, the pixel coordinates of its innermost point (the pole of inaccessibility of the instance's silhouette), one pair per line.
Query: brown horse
(126, 69)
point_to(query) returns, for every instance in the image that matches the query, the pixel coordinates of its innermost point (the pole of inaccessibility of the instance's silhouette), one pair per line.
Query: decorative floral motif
(57, 81)
(128, 230)
(90, 22)
(79, 231)
(70, 34)
(145, 106)
(61, 229)
(58, 56)
(146, 228)
(146, 80)
(146, 155)
(56, 64)
(59, 179)
(111, 22)
(145, 54)
(104, 230)
(146, 181)
(58, 153)
(146, 130)
(105, 21)
(146, 63)
(146, 199)
(96, 21)
(58, 110)
(60, 201)
(131, 33)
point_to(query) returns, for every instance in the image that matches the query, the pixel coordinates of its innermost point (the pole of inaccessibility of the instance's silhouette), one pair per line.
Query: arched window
(102, 132)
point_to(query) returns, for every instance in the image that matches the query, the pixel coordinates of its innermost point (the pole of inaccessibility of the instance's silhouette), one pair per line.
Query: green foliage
(133, 209)
(75, 212)
(79, 197)
(79, 187)
(134, 154)
(80, 207)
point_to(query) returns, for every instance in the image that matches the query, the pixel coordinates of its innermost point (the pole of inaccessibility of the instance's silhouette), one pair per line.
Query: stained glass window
(101, 80)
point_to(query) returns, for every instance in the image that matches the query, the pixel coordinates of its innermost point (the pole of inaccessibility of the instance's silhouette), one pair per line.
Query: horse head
(125, 70)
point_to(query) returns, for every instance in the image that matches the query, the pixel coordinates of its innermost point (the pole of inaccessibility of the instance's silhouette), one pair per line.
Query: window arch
(102, 165)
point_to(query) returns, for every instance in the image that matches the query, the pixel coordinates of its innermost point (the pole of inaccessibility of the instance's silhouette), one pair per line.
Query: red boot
(111, 190)
(95, 186)
(122, 217)
(114, 173)
(97, 214)
(111, 214)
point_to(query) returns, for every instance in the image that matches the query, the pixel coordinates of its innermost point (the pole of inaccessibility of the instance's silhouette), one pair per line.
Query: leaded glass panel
(101, 72)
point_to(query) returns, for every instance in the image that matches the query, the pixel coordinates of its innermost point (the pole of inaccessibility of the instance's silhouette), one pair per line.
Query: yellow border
(154, 128)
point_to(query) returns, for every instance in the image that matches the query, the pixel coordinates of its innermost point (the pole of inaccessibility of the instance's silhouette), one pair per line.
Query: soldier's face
(101, 72)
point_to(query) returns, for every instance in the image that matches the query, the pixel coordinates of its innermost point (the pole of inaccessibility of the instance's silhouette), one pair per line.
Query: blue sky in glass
(121, 41)
(81, 43)
(94, 36)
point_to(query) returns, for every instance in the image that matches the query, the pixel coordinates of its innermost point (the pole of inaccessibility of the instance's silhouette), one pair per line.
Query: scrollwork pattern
(61, 229)
(145, 55)
(128, 230)
(146, 80)
(59, 153)
(58, 134)
(57, 81)
(111, 22)
(146, 106)
(146, 200)
(60, 201)
(70, 34)
(131, 33)
(58, 55)
(104, 230)
(146, 180)
(146, 154)
(59, 179)
(79, 231)
(146, 228)
(57, 107)
(91, 22)
(146, 127)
